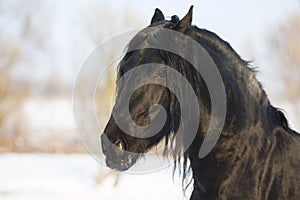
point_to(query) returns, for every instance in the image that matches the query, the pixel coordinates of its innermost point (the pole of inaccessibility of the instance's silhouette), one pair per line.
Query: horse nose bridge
(111, 127)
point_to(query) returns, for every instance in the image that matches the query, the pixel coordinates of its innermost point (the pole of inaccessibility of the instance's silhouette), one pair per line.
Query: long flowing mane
(255, 154)
(242, 69)
(240, 84)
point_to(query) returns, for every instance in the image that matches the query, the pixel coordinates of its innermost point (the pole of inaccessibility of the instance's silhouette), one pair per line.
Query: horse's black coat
(257, 155)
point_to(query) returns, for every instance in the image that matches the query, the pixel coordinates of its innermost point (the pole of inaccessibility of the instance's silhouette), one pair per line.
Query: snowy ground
(72, 177)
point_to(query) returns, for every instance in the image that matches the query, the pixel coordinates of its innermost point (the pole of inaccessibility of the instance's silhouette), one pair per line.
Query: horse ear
(158, 16)
(186, 21)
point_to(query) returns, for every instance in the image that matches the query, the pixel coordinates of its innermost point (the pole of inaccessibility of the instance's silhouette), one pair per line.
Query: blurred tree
(10, 100)
(101, 26)
(285, 43)
(18, 34)
(10, 56)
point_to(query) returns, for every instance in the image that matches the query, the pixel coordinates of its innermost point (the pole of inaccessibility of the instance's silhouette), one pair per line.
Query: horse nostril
(120, 144)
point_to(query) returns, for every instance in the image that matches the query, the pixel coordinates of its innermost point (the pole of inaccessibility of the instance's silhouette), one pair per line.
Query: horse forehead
(147, 34)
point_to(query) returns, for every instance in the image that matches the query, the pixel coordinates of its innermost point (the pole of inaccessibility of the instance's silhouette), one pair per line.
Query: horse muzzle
(116, 155)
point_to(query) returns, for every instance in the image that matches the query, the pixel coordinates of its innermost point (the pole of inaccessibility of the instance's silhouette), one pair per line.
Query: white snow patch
(55, 176)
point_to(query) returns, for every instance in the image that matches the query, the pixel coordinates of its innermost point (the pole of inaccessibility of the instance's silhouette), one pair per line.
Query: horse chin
(120, 164)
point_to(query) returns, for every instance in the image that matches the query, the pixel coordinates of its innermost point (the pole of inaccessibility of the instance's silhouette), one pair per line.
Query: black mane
(230, 65)
(257, 155)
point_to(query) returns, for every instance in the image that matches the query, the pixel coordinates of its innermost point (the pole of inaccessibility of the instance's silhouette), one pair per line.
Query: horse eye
(162, 73)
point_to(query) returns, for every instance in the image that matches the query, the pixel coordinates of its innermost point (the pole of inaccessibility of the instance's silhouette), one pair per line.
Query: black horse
(257, 155)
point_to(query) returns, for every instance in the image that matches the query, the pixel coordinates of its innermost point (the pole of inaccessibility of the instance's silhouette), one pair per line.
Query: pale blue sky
(231, 19)
(246, 25)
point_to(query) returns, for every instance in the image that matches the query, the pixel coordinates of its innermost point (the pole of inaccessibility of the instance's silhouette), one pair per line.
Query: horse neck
(248, 113)
(247, 102)
(249, 117)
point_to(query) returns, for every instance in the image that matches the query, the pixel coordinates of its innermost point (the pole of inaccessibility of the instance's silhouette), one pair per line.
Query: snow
(49, 115)
(60, 110)
(73, 176)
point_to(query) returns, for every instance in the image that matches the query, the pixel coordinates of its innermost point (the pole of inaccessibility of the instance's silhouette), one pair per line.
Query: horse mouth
(120, 164)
